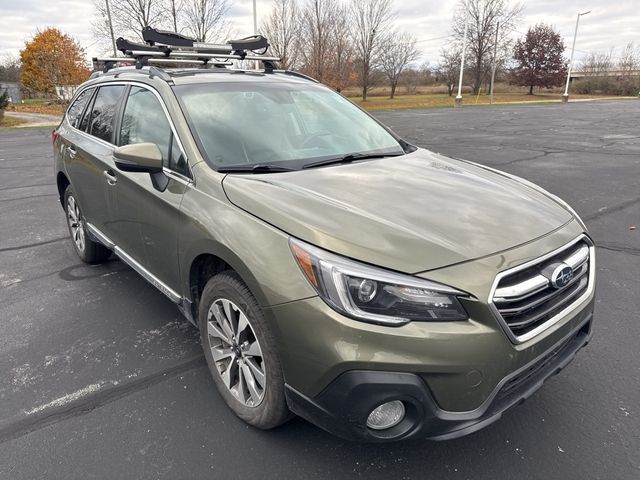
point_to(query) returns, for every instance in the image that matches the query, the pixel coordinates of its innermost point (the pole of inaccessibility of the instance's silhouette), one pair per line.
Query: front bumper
(343, 406)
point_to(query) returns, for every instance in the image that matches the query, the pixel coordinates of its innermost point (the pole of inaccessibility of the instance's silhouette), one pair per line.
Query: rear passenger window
(103, 112)
(74, 113)
(144, 121)
(84, 123)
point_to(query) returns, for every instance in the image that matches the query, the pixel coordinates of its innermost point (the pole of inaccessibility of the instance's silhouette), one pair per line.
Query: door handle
(72, 152)
(110, 176)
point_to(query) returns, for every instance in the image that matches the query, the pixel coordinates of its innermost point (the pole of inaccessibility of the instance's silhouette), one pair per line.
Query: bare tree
(597, 64)
(449, 67)
(174, 8)
(483, 17)
(129, 17)
(342, 49)
(282, 28)
(371, 20)
(629, 60)
(318, 20)
(325, 47)
(10, 68)
(398, 52)
(202, 17)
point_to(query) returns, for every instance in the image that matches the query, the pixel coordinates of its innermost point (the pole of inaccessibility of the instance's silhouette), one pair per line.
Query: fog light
(386, 415)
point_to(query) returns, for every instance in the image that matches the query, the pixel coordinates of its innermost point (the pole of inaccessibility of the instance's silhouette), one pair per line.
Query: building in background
(13, 90)
(65, 92)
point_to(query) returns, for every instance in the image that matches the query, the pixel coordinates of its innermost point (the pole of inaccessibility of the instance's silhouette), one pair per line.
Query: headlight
(373, 294)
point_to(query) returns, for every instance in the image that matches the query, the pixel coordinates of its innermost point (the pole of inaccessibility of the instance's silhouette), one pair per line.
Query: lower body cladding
(439, 381)
(377, 406)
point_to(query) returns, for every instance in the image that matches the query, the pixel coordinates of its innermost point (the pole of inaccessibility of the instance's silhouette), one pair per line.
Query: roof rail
(171, 48)
(151, 71)
(301, 75)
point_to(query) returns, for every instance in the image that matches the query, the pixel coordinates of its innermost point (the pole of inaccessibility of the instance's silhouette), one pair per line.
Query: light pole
(458, 100)
(255, 18)
(113, 38)
(255, 27)
(565, 96)
(493, 65)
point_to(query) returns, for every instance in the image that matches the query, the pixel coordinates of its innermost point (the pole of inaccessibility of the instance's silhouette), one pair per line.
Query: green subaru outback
(335, 271)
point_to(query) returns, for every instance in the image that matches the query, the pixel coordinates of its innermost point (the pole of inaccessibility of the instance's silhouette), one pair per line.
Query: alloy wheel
(236, 352)
(76, 225)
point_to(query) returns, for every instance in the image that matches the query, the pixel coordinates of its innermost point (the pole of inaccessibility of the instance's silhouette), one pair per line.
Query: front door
(145, 219)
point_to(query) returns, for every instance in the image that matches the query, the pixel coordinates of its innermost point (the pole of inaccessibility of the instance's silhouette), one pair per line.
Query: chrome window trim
(175, 175)
(178, 177)
(518, 339)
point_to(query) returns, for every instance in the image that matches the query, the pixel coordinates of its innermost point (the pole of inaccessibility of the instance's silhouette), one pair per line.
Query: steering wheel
(264, 155)
(315, 136)
(321, 133)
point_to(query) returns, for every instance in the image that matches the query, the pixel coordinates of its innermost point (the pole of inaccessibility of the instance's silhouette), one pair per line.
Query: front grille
(530, 296)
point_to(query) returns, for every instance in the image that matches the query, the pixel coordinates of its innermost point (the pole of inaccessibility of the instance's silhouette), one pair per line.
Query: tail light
(54, 136)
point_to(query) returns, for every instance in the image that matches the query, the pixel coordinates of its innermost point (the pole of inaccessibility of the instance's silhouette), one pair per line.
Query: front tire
(241, 352)
(88, 250)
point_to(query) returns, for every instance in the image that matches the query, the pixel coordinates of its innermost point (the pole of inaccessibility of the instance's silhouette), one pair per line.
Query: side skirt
(184, 305)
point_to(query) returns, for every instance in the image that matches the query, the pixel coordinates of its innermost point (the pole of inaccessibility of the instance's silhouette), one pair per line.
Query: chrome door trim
(129, 260)
(98, 235)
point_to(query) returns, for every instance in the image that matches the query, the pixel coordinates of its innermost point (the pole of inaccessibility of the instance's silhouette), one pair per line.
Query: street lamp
(565, 96)
(458, 100)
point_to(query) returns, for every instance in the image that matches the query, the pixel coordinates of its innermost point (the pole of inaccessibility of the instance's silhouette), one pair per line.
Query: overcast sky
(612, 23)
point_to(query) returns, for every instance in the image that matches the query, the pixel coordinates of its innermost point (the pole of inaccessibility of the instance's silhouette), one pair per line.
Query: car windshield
(290, 125)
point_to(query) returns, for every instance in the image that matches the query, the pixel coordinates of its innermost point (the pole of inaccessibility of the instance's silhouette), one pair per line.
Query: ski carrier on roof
(171, 49)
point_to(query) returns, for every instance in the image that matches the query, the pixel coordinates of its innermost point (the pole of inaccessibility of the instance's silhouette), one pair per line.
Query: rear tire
(241, 352)
(88, 250)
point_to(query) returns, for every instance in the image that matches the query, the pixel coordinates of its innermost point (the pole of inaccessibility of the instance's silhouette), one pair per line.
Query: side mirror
(139, 157)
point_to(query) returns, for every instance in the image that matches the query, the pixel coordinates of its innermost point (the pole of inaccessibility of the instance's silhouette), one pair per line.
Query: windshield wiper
(260, 168)
(350, 158)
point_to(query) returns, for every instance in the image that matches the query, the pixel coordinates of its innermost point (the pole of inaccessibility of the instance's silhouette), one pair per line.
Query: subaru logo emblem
(561, 276)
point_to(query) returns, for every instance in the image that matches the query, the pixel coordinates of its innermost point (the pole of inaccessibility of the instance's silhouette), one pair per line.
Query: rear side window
(144, 121)
(74, 113)
(84, 122)
(103, 112)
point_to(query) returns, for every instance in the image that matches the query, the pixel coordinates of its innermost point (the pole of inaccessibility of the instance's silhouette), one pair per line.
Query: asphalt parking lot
(101, 377)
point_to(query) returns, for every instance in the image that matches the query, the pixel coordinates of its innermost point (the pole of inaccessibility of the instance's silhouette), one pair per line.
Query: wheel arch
(62, 182)
(207, 258)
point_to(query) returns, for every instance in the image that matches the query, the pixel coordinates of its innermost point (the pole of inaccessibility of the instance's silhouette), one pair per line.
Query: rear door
(70, 136)
(90, 155)
(145, 219)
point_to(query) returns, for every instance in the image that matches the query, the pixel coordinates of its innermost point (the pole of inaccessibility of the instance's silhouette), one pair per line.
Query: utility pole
(565, 97)
(113, 38)
(493, 67)
(255, 28)
(255, 18)
(458, 100)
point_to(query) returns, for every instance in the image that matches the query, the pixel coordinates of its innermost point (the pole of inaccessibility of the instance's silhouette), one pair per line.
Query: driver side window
(144, 121)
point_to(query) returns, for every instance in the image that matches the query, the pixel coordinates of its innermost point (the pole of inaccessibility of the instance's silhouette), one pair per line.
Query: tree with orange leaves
(52, 58)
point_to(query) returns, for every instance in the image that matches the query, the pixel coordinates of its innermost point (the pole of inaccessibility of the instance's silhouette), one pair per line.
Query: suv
(379, 290)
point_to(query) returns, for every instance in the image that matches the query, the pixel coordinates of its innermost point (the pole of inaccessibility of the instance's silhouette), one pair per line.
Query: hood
(412, 213)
